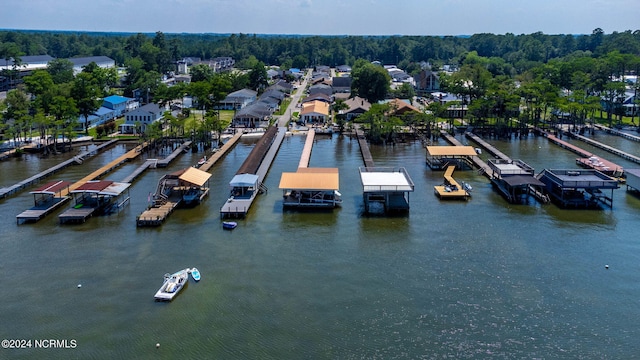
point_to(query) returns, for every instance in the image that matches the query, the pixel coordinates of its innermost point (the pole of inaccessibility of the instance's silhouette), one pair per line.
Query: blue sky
(325, 17)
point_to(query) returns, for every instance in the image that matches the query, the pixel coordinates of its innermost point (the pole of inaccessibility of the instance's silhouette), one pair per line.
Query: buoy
(157, 345)
(79, 286)
(606, 266)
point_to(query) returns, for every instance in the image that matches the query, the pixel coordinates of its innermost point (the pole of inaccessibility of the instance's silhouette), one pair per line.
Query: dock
(213, 159)
(364, 149)
(248, 181)
(179, 150)
(78, 159)
(606, 148)
(306, 151)
(479, 163)
(451, 189)
(386, 190)
(617, 132)
(488, 147)
(46, 198)
(586, 158)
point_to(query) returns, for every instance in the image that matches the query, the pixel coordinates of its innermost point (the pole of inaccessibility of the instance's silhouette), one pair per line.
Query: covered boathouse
(46, 198)
(515, 180)
(386, 190)
(96, 197)
(440, 157)
(632, 179)
(311, 188)
(579, 188)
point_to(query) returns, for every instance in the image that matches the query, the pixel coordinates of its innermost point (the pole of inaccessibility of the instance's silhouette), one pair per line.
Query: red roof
(94, 186)
(52, 187)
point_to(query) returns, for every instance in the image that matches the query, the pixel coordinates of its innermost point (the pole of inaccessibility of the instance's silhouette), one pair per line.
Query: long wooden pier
(261, 157)
(606, 148)
(364, 149)
(78, 159)
(220, 153)
(488, 147)
(617, 132)
(479, 163)
(306, 151)
(165, 162)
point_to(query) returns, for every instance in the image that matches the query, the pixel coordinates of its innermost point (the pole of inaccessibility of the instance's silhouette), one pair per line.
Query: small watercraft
(172, 285)
(195, 274)
(229, 225)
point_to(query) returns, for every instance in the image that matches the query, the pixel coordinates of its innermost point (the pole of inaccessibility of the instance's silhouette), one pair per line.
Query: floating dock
(95, 197)
(451, 189)
(386, 190)
(578, 188)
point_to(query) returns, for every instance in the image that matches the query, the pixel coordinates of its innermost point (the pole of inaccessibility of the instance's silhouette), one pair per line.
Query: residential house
(341, 84)
(427, 81)
(320, 88)
(357, 106)
(140, 118)
(343, 68)
(238, 99)
(283, 86)
(314, 112)
(254, 115)
(119, 104)
(402, 107)
(100, 116)
(318, 96)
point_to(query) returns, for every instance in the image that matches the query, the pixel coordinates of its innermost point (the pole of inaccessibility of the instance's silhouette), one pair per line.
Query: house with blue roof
(119, 104)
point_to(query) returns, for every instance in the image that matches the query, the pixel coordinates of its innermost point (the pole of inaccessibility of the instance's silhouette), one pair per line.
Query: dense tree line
(521, 52)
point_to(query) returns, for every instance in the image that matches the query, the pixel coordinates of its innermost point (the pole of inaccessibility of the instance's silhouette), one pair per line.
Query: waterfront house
(138, 119)
(119, 104)
(341, 84)
(253, 115)
(238, 99)
(315, 112)
(357, 106)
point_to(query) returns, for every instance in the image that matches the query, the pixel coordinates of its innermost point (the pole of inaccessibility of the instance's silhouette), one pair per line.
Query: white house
(102, 62)
(140, 118)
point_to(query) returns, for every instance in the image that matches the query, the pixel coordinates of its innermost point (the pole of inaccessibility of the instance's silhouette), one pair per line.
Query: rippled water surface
(475, 279)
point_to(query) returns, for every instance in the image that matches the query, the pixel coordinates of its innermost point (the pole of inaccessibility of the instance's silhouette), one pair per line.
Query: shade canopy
(244, 180)
(310, 180)
(451, 151)
(195, 176)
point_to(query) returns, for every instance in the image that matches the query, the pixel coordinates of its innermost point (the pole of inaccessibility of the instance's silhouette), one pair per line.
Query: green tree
(258, 79)
(370, 81)
(86, 94)
(61, 70)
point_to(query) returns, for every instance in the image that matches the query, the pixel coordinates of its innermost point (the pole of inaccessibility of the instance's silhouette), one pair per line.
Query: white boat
(173, 284)
(195, 274)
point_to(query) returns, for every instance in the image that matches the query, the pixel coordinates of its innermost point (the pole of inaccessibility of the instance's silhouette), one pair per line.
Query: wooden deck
(488, 147)
(179, 150)
(155, 216)
(78, 159)
(364, 149)
(222, 152)
(76, 215)
(479, 163)
(306, 151)
(38, 212)
(451, 189)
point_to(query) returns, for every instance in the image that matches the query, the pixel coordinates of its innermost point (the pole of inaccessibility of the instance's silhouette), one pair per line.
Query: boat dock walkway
(261, 157)
(78, 159)
(165, 162)
(617, 132)
(220, 153)
(306, 151)
(602, 164)
(364, 149)
(606, 148)
(488, 147)
(479, 163)
(155, 216)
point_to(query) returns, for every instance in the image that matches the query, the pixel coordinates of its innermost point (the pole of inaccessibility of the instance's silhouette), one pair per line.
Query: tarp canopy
(451, 151)
(310, 180)
(195, 176)
(244, 180)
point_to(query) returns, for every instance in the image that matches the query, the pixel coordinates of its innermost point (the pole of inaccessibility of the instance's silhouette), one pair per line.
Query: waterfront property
(515, 180)
(578, 188)
(96, 197)
(46, 198)
(440, 157)
(451, 189)
(385, 190)
(311, 188)
(184, 188)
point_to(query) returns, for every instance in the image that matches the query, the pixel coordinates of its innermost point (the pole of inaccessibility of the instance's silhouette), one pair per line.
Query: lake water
(475, 279)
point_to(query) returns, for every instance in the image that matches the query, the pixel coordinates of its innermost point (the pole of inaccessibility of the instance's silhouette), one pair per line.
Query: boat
(195, 274)
(229, 225)
(172, 285)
